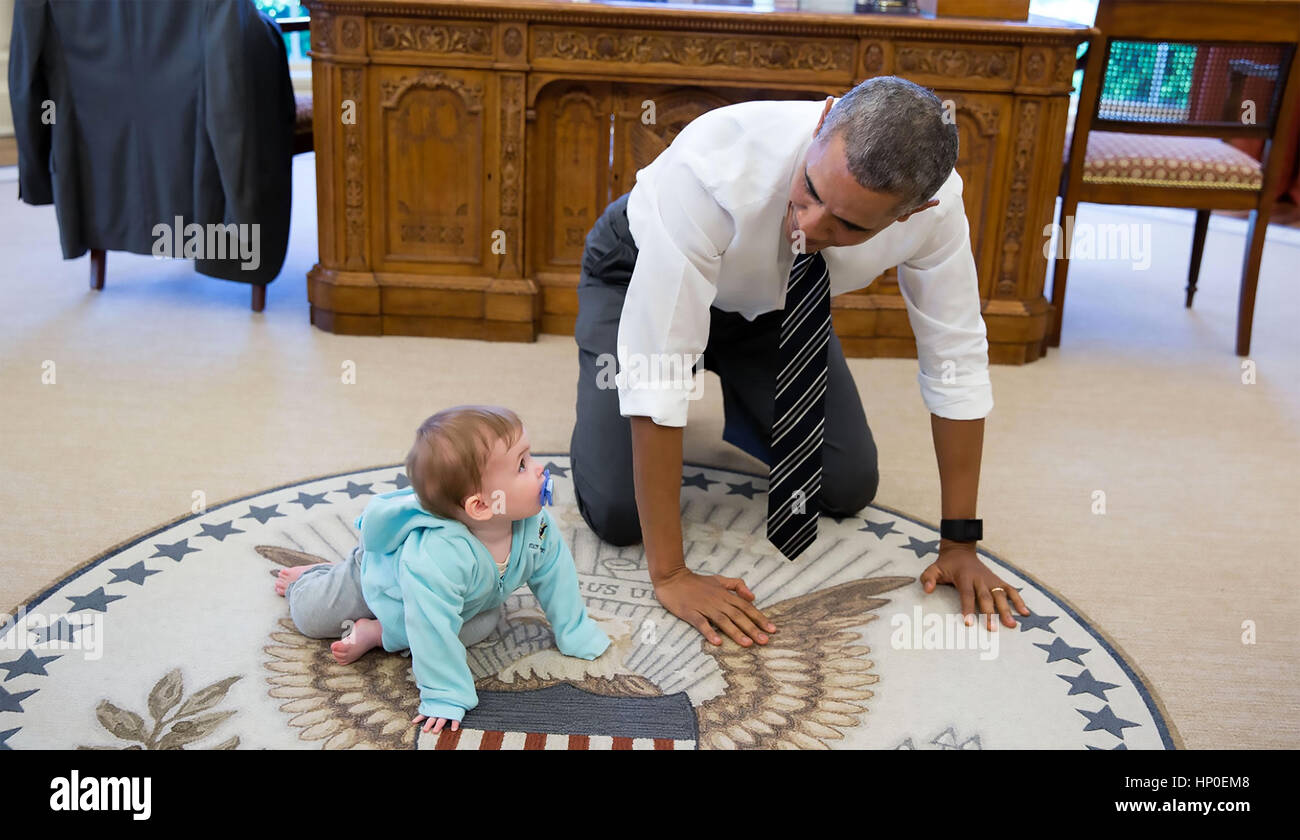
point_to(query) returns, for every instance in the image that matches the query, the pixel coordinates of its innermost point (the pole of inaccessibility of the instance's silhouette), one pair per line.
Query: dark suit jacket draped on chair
(161, 109)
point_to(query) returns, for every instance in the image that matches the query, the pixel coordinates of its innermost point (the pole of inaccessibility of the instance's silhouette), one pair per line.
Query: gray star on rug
(1058, 649)
(747, 489)
(556, 469)
(175, 551)
(60, 631)
(698, 480)
(97, 600)
(1116, 747)
(28, 663)
(922, 547)
(353, 490)
(220, 531)
(880, 529)
(4, 738)
(1086, 684)
(1105, 719)
(1033, 621)
(135, 573)
(307, 500)
(262, 514)
(13, 702)
(401, 481)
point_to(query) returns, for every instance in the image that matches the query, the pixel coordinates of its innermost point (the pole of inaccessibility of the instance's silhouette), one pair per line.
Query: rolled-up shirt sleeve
(941, 290)
(681, 233)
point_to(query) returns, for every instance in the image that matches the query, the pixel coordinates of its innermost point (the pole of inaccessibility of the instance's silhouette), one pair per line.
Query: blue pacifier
(548, 486)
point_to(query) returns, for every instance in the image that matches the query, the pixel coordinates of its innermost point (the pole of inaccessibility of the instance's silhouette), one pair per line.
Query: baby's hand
(432, 725)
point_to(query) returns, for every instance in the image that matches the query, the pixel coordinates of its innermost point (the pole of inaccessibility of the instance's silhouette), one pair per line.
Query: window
(297, 43)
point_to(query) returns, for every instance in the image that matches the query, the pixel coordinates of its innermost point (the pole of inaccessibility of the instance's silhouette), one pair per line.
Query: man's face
(516, 475)
(828, 205)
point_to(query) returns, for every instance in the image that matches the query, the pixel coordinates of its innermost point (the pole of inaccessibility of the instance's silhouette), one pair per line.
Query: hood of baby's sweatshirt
(390, 518)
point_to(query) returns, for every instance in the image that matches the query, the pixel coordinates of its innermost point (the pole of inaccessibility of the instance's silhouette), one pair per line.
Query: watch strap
(962, 530)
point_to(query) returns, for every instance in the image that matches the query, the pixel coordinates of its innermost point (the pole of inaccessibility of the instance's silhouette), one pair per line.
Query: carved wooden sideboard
(464, 149)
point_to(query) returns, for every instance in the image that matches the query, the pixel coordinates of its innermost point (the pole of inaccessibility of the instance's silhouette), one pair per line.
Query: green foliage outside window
(1143, 72)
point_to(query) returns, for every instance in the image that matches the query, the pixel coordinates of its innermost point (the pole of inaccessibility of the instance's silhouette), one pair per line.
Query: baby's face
(512, 481)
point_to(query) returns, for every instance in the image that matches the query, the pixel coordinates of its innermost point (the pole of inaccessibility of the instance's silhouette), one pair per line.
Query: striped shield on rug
(562, 717)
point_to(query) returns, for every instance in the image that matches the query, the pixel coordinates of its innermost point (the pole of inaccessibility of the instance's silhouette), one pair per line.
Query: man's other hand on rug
(958, 447)
(708, 601)
(703, 601)
(959, 566)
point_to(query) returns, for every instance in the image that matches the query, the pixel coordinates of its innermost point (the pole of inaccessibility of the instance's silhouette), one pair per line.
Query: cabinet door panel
(568, 170)
(433, 190)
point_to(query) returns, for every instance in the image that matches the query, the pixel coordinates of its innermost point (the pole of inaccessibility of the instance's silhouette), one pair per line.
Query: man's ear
(830, 101)
(931, 203)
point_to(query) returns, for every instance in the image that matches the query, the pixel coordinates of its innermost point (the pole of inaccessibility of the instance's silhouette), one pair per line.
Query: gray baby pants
(326, 600)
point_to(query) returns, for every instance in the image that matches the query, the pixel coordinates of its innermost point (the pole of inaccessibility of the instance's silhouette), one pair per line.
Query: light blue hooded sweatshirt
(424, 575)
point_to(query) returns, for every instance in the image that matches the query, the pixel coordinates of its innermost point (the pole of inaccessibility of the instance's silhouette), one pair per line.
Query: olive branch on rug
(169, 732)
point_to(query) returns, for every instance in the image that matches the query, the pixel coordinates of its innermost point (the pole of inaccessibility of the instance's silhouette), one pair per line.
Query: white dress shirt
(707, 216)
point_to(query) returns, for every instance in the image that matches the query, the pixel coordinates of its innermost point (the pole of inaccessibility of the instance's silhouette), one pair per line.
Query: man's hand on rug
(435, 725)
(960, 566)
(708, 601)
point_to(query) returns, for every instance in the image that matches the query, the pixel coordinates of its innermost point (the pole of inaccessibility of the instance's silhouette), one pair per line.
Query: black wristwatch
(962, 530)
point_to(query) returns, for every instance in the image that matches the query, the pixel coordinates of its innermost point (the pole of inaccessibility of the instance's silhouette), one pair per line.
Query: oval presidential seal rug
(177, 639)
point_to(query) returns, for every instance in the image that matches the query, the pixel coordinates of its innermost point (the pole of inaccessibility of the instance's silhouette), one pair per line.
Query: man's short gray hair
(896, 137)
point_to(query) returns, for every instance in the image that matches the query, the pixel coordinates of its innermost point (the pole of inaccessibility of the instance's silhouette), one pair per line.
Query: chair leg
(1198, 248)
(97, 259)
(1256, 231)
(259, 297)
(1068, 209)
(1058, 301)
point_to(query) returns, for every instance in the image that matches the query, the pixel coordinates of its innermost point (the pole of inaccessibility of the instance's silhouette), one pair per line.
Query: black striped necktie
(799, 418)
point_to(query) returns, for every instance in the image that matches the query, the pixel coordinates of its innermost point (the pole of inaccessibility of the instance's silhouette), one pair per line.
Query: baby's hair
(451, 450)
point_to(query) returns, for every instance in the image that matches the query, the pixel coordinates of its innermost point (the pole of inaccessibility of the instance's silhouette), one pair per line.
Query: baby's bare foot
(289, 575)
(366, 634)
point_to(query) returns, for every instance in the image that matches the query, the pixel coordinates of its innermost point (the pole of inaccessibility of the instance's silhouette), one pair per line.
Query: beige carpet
(167, 384)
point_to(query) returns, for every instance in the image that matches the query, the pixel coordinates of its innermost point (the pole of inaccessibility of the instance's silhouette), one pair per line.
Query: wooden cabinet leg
(97, 259)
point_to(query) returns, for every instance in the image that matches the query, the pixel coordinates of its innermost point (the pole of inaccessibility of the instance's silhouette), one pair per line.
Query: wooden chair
(1151, 155)
(302, 142)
